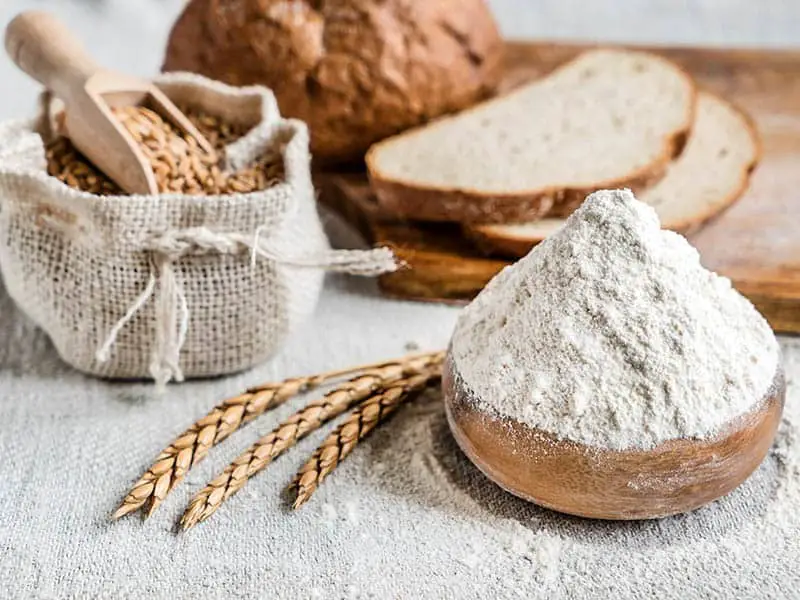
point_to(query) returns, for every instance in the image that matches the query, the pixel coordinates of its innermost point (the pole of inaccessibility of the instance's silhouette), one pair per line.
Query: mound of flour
(611, 333)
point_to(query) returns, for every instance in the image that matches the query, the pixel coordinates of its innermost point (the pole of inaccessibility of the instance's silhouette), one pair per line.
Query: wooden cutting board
(756, 242)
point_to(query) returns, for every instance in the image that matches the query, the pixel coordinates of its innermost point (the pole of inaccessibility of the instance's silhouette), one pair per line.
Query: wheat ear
(192, 446)
(364, 419)
(284, 436)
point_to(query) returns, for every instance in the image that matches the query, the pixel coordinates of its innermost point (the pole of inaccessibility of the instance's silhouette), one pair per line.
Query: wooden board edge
(725, 54)
(782, 314)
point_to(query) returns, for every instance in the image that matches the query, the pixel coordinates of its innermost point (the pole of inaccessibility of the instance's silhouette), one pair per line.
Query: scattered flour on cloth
(612, 334)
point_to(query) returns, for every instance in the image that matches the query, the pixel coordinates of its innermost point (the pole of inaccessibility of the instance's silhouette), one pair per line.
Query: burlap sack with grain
(174, 286)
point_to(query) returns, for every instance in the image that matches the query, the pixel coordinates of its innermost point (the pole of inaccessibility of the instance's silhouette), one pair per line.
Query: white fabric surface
(406, 516)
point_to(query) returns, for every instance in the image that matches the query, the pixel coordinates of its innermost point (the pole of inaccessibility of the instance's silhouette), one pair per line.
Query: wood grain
(674, 477)
(756, 242)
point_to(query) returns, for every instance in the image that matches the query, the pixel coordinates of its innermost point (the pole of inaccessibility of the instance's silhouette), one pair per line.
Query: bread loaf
(355, 71)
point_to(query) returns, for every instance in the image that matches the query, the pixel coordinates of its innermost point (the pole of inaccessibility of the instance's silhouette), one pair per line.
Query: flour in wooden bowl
(611, 333)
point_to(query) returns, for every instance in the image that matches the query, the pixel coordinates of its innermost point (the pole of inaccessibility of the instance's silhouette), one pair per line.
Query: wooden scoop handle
(44, 48)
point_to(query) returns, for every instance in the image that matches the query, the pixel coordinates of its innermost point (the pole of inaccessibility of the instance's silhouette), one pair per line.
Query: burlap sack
(169, 286)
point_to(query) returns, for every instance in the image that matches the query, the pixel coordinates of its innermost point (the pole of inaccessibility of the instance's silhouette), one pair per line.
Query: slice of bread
(712, 173)
(609, 118)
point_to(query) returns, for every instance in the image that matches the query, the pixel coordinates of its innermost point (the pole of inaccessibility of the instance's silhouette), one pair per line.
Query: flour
(611, 333)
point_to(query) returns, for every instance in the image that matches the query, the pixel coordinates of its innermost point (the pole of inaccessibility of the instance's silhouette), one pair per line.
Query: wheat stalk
(285, 435)
(192, 446)
(364, 419)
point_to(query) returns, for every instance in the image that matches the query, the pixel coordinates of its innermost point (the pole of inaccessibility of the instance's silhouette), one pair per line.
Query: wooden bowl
(674, 477)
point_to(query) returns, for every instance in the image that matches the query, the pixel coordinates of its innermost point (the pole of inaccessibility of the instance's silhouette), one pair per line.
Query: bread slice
(609, 118)
(712, 173)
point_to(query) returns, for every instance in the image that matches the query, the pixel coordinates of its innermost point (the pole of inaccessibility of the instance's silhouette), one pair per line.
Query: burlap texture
(210, 285)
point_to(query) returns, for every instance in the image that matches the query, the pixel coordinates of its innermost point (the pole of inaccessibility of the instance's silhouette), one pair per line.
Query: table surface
(60, 476)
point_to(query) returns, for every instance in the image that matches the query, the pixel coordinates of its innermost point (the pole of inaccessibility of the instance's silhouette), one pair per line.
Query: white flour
(612, 334)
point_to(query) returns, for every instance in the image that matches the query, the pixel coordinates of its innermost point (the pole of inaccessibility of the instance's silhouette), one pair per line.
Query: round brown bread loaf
(355, 71)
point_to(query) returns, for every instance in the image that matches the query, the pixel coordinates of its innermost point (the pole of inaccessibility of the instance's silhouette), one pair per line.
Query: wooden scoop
(42, 47)
(676, 476)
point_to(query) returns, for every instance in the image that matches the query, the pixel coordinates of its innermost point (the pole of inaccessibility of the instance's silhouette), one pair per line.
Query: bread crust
(356, 71)
(432, 203)
(492, 241)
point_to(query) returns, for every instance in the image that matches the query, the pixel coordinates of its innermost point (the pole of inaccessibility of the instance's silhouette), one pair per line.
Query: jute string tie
(171, 309)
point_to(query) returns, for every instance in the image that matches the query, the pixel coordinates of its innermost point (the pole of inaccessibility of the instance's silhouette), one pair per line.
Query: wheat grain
(217, 131)
(67, 164)
(303, 422)
(364, 419)
(178, 163)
